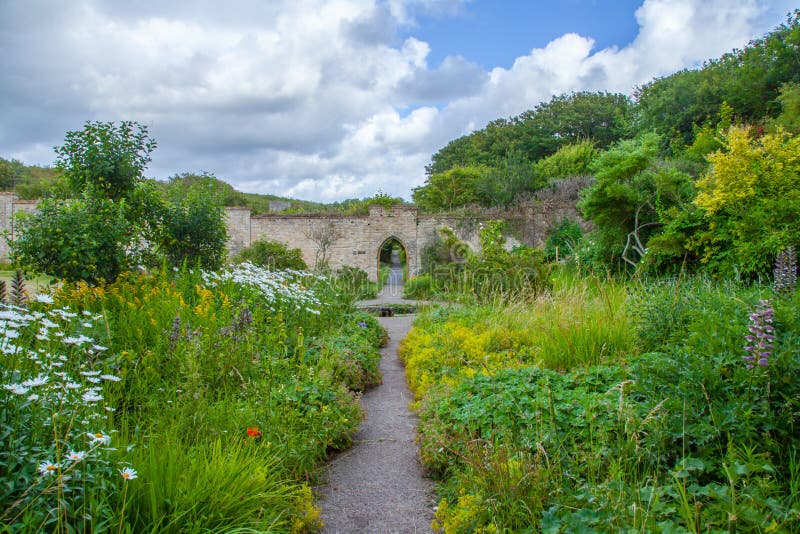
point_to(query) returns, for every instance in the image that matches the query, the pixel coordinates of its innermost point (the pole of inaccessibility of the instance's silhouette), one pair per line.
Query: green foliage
(683, 439)
(562, 239)
(449, 189)
(272, 254)
(194, 229)
(751, 201)
(749, 80)
(633, 196)
(789, 119)
(104, 159)
(74, 239)
(568, 161)
(31, 181)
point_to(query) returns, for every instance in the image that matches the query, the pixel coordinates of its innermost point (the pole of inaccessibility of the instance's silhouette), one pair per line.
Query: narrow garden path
(378, 486)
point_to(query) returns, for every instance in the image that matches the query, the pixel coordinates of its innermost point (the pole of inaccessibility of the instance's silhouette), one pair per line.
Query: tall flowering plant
(57, 457)
(761, 336)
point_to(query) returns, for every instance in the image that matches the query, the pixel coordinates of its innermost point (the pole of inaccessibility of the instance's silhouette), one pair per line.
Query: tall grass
(579, 324)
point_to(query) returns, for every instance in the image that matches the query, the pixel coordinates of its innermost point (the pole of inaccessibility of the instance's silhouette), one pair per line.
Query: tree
(568, 161)
(194, 229)
(449, 189)
(751, 200)
(633, 192)
(103, 165)
(74, 240)
(105, 160)
(323, 237)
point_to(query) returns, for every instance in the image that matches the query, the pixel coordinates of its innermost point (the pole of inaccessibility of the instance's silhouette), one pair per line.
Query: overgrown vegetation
(178, 402)
(594, 408)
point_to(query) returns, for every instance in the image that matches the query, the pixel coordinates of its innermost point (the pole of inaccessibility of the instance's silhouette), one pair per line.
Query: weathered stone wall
(10, 205)
(357, 239)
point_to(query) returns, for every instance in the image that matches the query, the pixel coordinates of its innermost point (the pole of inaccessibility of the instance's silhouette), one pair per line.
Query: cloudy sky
(331, 99)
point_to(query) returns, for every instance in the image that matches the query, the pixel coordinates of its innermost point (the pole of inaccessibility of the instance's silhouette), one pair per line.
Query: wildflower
(362, 324)
(44, 298)
(99, 437)
(110, 378)
(785, 271)
(33, 397)
(76, 456)
(762, 334)
(36, 382)
(91, 396)
(47, 468)
(16, 389)
(90, 373)
(254, 432)
(128, 473)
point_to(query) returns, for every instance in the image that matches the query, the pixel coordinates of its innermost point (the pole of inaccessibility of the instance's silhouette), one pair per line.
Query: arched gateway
(339, 240)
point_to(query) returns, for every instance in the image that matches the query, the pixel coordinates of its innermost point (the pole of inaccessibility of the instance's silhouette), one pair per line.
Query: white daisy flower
(128, 473)
(44, 298)
(110, 378)
(16, 389)
(99, 437)
(47, 468)
(91, 396)
(76, 456)
(36, 382)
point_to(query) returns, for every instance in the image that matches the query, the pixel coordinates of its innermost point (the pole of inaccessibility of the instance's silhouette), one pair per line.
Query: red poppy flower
(253, 433)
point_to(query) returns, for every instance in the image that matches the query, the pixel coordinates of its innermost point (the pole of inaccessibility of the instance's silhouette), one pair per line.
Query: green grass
(33, 284)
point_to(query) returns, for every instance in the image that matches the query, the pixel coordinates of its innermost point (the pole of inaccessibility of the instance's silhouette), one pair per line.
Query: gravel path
(378, 484)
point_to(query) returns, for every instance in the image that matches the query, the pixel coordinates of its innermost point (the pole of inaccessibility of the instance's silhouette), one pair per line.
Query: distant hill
(32, 181)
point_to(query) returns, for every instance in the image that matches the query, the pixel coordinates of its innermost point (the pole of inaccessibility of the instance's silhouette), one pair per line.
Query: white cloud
(312, 98)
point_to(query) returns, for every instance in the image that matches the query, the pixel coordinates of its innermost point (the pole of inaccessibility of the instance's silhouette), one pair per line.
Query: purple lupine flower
(785, 271)
(761, 337)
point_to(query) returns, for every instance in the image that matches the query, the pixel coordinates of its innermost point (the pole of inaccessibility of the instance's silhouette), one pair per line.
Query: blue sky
(494, 33)
(332, 99)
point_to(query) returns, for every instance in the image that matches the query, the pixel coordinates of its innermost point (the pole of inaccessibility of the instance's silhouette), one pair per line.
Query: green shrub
(272, 255)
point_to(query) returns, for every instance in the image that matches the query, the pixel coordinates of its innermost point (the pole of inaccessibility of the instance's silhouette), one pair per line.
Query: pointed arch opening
(392, 262)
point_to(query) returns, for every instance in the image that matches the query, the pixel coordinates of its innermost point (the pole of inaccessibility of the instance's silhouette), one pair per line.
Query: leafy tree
(789, 118)
(633, 192)
(751, 200)
(449, 189)
(103, 165)
(273, 255)
(749, 80)
(603, 118)
(194, 229)
(500, 184)
(568, 161)
(74, 239)
(105, 159)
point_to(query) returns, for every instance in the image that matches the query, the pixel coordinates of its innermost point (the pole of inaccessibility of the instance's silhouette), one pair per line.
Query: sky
(332, 99)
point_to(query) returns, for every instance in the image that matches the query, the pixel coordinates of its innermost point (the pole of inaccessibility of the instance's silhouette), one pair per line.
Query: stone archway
(393, 252)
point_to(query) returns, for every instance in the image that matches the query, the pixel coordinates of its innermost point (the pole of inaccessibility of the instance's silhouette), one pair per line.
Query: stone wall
(11, 205)
(356, 239)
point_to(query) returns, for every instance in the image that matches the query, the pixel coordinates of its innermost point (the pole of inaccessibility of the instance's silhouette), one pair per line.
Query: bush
(272, 255)
(562, 240)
